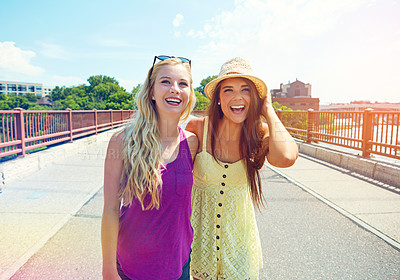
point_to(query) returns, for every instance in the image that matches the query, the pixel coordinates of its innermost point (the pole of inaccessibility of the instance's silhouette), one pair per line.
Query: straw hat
(236, 67)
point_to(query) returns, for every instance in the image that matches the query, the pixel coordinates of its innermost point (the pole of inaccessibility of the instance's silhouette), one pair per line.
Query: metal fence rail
(23, 131)
(369, 131)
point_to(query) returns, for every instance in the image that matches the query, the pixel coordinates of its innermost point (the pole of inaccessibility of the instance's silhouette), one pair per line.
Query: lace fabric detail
(226, 241)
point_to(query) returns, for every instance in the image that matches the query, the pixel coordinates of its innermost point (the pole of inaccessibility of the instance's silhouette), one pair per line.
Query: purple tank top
(155, 244)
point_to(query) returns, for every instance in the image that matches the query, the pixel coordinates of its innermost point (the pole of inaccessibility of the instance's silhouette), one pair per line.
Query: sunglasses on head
(164, 57)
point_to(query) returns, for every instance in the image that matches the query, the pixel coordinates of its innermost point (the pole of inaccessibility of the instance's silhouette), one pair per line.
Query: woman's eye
(246, 89)
(165, 82)
(184, 84)
(228, 90)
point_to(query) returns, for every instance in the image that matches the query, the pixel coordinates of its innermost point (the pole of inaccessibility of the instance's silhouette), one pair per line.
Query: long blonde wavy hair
(142, 145)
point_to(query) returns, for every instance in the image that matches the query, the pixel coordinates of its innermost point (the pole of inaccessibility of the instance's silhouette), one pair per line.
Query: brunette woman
(240, 131)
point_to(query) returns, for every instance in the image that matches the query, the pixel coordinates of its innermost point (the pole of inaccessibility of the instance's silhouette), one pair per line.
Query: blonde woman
(240, 131)
(146, 231)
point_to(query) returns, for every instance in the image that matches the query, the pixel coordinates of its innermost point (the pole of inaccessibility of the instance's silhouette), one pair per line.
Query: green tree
(38, 107)
(70, 103)
(100, 79)
(11, 101)
(119, 100)
(57, 93)
(102, 93)
(278, 106)
(4, 105)
(32, 97)
(96, 95)
(201, 101)
(204, 82)
(135, 91)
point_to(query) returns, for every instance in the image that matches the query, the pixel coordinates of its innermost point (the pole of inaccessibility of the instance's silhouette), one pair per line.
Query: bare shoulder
(191, 138)
(115, 144)
(113, 167)
(195, 125)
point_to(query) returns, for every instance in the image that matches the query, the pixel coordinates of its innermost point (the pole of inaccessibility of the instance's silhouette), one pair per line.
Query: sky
(346, 49)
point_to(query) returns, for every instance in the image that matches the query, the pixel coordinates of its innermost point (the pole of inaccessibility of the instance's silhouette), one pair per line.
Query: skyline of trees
(102, 93)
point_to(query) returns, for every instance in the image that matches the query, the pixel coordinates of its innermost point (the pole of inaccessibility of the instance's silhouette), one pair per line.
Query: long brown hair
(251, 146)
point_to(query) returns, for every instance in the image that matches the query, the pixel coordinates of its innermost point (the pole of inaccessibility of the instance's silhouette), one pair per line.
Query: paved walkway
(368, 203)
(36, 208)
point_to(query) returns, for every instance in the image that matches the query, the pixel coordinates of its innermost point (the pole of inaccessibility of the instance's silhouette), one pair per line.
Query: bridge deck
(322, 222)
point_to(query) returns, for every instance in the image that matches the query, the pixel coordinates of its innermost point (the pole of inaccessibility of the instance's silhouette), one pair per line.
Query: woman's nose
(174, 87)
(237, 94)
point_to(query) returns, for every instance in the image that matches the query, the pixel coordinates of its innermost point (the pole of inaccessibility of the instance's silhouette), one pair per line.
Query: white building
(19, 88)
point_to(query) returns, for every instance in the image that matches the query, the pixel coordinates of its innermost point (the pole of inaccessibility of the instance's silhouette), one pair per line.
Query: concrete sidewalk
(371, 204)
(34, 208)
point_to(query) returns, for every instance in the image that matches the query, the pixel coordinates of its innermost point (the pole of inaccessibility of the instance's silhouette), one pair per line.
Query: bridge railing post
(95, 120)
(20, 129)
(71, 139)
(111, 118)
(310, 122)
(367, 132)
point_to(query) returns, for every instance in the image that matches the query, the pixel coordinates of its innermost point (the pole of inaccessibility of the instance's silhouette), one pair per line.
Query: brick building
(296, 95)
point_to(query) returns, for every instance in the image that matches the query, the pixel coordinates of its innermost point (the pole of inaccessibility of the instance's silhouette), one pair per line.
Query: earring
(219, 103)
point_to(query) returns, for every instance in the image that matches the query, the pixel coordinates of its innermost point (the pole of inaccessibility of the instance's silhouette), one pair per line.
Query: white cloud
(191, 33)
(16, 60)
(177, 20)
(207, 28)
(324, 43)
(195, 34)
(53, 51)
(257, 19)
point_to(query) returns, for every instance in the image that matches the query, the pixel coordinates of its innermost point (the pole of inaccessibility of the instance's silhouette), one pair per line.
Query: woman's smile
(174, 101)
(237, 109)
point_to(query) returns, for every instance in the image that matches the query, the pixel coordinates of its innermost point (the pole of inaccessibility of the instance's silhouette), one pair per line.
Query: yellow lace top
(226, 242)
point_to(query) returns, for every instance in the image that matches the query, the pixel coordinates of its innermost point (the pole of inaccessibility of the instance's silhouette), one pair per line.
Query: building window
(296, 92)
(31, 88)
(38, 89)
(21, 88)
(2, 86)
(12, 87)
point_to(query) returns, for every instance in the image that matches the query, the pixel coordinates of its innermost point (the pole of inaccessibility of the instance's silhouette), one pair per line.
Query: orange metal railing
(369, 131)
(23, 131)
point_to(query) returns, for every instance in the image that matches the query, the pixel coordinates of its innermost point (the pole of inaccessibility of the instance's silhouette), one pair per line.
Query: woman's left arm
(282, 150)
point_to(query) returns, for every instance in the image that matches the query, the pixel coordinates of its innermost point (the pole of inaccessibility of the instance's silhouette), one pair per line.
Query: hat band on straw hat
(231, 73)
